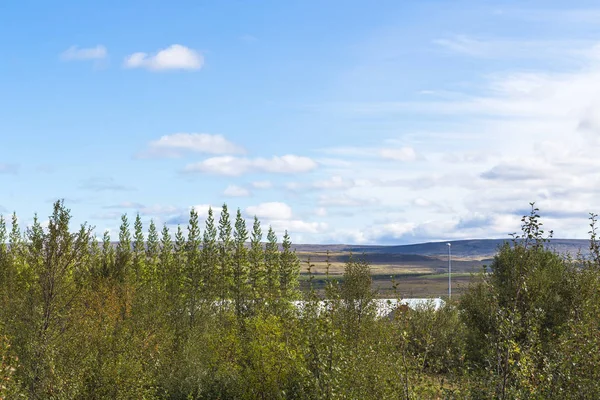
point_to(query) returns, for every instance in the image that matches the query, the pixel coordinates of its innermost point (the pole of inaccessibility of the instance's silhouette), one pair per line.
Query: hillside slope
(474, 248)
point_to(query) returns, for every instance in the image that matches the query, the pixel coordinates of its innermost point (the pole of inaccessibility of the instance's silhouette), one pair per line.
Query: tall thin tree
(257, 262)
(225, 251)
(210, 258)
(271, 267)
(139, 250)
(192, 277)
(240, 288)
(152, 256)
(289, 270)
(123, 251)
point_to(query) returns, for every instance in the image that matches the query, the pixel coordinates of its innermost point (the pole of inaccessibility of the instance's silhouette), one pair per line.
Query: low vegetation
(204, 315)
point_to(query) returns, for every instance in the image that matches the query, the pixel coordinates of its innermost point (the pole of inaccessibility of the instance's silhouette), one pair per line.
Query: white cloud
(393, 229)
(405, 153)
(345, 200)
(125, 204)
(298, 226)
(182, 217)
(108, 215)
(100, 184)
(348, 236)
(421, 202)
(502, 48)
(519, 137)
(202, 210)
(159, 210)
(293, 186)
(401, 154)
(74, 53)
(321, 212)
(433, 206)
(178, 143)
(470, 225)
(335, 182)
(236, 191)
(173, 57)
(153, 210)
(271, 211)
(262, 184)
(234, 166)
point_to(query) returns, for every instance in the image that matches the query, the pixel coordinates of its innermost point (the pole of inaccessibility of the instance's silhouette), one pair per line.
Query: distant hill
(475, 248)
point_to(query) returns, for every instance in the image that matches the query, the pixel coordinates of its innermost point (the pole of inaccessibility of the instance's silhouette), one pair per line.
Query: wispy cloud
(67, 200)
(506, 172)
(402, 154)
(345, 200)
(247, 38)
(502, 48)
(174, 57)
(531, 131)
(388, 151)
(125, 204)
(75, 53)
(236, 191)
(334, 183)
(271, 211)
(99, 184)
(280, 217)
(262, 184)
(45, 168)
(177, 144)
(9, 168)
(234, 166)
(153, 210)
(183, 217)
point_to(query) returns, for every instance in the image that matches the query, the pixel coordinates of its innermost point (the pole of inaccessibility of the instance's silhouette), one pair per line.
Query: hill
(476, 249)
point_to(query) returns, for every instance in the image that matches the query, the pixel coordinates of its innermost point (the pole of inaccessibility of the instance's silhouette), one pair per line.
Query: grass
(412, 275)
(406, 285)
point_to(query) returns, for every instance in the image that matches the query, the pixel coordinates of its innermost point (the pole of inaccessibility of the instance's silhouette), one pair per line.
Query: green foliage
(240, 289)
(289, 270)
(209, 257)
(139, 250)
(123, 252)
(10, 387)
(271, 267)
(225, 246)
(530, 304)
(152, 320)
(152, 256)
(107, 268)
(192, 267)
(256, 259)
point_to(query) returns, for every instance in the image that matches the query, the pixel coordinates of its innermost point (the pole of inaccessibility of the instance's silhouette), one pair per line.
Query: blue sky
(342, 121)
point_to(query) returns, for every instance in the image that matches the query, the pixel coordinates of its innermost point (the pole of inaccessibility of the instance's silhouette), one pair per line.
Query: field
(417, 270)
(412, 275)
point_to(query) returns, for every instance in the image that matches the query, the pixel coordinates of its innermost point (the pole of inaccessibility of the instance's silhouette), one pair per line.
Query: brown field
(412, 275)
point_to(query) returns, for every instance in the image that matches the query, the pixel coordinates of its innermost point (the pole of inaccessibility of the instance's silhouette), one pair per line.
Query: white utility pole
(449, 270)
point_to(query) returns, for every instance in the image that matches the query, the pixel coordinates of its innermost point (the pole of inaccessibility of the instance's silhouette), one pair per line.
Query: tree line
(209, 314)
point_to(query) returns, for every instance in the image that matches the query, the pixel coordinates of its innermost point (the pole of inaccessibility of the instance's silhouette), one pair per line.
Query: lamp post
(449, 270)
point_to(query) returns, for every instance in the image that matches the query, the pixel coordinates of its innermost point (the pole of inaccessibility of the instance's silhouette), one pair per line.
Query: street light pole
(449, 270)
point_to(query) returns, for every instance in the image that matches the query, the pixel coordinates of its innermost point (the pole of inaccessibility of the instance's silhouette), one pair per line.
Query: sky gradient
(360, 122)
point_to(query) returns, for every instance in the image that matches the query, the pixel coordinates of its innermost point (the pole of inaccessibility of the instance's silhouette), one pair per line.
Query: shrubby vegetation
(207, 315)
